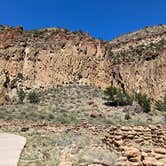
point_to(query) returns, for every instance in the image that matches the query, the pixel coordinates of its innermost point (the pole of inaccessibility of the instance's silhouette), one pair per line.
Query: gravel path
(10, 148)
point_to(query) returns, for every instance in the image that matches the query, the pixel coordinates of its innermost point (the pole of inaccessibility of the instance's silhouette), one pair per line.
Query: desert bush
(2, 27)
(81, 32)
(20, 76)
(21, 96)
(144, 101)
(116, 97)
(16, 79)
(127, 116)
(110, 92)
(33, 97)
(161, 105)
(14, 83)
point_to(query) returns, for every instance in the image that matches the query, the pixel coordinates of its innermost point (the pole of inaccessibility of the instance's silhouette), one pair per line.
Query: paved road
(10, 148)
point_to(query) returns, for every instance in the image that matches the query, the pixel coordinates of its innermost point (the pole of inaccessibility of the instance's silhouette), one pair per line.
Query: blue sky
(102, 18)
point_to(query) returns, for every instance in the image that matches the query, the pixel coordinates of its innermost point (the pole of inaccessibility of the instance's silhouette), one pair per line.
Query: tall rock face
(49, 57)
(139, 61)
(52, 56)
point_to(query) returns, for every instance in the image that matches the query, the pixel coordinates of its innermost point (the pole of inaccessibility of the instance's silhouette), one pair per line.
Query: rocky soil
(72, 126)
(88, 145)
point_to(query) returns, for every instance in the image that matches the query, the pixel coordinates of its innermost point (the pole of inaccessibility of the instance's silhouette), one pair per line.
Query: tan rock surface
(51, 57)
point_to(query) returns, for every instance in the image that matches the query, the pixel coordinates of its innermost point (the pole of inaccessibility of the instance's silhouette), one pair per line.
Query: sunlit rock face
(49, 57)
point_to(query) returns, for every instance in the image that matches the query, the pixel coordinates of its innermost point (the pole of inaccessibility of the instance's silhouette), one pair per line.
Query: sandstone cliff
(53, 56)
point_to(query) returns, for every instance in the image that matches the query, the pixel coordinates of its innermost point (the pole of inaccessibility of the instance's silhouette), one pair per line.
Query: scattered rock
(160, 151)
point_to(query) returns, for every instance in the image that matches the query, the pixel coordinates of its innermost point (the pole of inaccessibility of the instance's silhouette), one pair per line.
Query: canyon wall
(51, 57)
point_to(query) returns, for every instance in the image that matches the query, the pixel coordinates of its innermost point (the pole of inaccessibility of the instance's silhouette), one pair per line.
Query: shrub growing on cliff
(110, 93)
(2, 27)
(116, 97)
(161, 105)
(21, 96)
(143, 101)
(33, 97)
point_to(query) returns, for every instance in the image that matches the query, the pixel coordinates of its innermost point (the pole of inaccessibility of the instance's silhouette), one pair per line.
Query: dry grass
(70, 106)
(44, 148)
(75, 104)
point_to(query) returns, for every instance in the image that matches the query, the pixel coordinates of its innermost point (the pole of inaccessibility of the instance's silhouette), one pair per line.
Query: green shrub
(143, 101)
(33, 97)
(161, 105)
(117, 97)
(21, 96)
(14, 83)
(123, 99)
(110, 93)
(16, 79)
(2, 27)
(127, 116)
(20, 76)
(81, 32)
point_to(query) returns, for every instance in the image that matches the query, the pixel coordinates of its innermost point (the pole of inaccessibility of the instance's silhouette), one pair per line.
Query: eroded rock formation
(49, 57)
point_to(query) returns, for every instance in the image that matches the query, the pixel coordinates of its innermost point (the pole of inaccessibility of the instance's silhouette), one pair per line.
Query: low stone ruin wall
(138, 145)
(129, 135)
